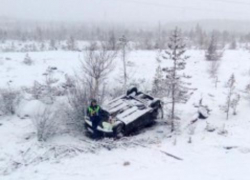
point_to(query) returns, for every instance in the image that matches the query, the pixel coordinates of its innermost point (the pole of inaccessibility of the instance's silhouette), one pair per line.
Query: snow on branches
(232, 99)
(175, 86)
(159, 84)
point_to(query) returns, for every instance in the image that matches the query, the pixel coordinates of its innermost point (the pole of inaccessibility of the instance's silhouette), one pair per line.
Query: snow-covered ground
(210, 156)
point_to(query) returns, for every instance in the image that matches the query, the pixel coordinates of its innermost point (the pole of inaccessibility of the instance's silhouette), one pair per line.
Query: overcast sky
(125, 10)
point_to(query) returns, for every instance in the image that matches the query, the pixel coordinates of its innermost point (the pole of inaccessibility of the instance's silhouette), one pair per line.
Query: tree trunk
(229, 102)
(124, 67)
(173, 94)
(95, 93)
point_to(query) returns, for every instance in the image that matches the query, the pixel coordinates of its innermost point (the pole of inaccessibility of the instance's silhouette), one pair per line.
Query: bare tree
(77, 96)
(124, 43)
(36, 91)
(177, 87)
(46, 91)
(45, 124)
(97, 65)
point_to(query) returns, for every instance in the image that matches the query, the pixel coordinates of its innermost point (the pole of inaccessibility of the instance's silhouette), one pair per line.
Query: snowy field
(223, 154)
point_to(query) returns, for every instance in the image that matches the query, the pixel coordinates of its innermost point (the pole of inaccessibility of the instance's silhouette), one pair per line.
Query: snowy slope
(210, 156)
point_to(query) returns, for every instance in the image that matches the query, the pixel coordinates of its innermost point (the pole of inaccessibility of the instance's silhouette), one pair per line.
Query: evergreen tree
(27, 60)
(233, 45)
(71, 44)
(175, 84)
(52, 44)
(112, 41)
(159, 83)
(200, 37)
(233, 98)
(212, 53)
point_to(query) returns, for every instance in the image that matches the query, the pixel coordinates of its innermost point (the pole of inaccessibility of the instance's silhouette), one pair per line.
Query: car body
(128, 113)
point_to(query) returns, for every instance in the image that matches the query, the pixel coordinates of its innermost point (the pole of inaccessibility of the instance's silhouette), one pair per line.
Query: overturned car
(128, 113)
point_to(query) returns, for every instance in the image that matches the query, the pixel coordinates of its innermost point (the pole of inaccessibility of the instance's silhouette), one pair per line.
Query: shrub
(48, 90)
(27, 60)
(9, 99)
(45, 123)
(77, 101)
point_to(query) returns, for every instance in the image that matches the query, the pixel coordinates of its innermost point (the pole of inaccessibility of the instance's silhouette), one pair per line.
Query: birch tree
(97, 65)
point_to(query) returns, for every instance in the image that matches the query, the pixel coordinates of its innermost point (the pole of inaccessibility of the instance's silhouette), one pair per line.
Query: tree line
(66, 36)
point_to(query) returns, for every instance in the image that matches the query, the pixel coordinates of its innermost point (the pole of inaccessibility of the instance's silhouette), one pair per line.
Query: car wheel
(160, 113)
(119, 130)
(155, 103)
(132, 90)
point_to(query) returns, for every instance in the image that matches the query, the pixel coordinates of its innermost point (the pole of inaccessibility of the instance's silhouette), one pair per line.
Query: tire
(158, 114)
(132, 90)
(155, 104)
(119, 130)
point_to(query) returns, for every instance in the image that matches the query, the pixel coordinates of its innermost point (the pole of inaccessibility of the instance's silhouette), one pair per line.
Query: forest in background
(43, 36)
